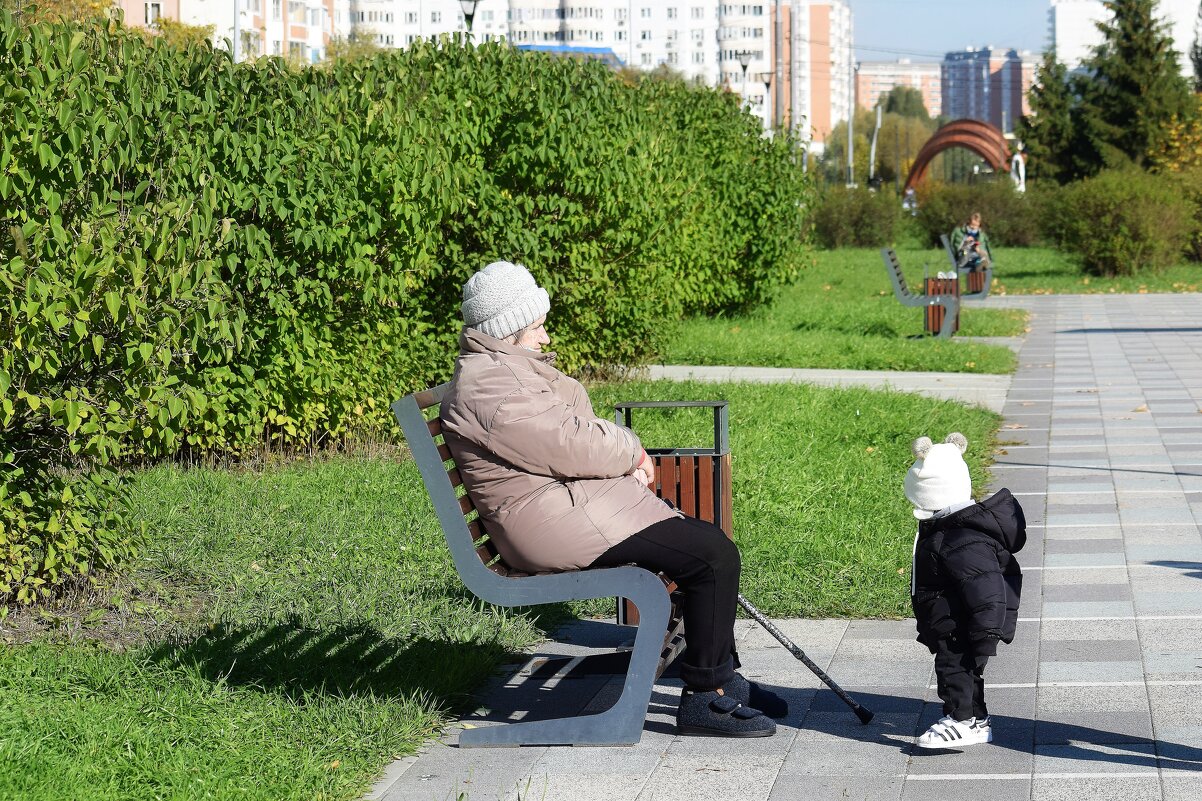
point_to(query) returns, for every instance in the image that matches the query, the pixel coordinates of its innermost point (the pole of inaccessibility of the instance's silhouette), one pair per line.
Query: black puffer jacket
(966, 580)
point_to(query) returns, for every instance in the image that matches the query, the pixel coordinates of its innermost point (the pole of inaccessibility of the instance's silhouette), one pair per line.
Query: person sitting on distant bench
(971, 245)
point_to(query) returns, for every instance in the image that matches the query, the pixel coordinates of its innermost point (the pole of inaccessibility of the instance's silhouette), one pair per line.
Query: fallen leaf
(1143, 407)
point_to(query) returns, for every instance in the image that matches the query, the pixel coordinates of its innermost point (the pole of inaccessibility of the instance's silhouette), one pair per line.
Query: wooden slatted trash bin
(697, 481)
(934, 314)
(975, 281)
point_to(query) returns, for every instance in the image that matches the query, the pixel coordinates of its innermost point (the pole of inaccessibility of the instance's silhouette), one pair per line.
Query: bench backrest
(476, 556)
(893, 267)
(951, 254)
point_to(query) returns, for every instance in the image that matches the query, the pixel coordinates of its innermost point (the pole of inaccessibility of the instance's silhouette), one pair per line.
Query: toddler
(964, 586)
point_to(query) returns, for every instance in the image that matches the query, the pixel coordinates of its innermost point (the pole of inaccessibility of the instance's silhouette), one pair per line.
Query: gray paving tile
(1120, 788)
(1016, 788)
(1092, 757)
(837, 788)
(1103, 559)
(1056, 609)
(1098, 670)
(1082, 545)
(1087, 592)
(1090, 651)
(688, 778)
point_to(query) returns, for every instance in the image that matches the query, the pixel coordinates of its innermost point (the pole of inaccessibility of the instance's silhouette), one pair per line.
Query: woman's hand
(645, 471)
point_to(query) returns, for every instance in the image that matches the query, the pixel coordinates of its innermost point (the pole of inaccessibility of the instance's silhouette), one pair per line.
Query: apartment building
(1073, 29)
(299, 29)
(988, 84)
(875, 79)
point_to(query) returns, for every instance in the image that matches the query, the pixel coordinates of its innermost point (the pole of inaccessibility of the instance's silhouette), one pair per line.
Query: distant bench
(942, 310)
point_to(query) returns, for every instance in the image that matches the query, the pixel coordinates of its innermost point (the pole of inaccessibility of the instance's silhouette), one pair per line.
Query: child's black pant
(959, 677)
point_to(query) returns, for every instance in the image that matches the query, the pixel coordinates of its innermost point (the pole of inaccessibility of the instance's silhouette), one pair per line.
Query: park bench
(658, 638)
(943, 311)
(978, 281)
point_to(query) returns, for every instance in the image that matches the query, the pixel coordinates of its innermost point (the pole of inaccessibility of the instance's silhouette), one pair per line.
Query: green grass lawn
(289, 630)
(842, 314)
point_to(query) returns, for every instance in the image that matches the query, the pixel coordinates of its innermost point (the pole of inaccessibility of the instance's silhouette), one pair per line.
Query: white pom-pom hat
(939, 477)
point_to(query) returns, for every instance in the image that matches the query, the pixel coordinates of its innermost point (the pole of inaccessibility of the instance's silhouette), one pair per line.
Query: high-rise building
(299, 29)
(988, 84)
(875, 79)
(1073, 29)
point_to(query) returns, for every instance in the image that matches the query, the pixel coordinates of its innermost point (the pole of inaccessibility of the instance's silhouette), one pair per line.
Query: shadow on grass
(343, 662)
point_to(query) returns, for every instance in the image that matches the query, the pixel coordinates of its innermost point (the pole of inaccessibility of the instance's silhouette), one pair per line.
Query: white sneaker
(983, 725)
(951, 733)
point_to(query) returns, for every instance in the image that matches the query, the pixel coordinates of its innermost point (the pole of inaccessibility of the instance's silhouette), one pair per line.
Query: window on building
(698, 34)
(671, 13)
(153, 12)
(699, 58)
(275, 11)
(645, 36)
(620, 14)
(645, 13)
(297, 50)
(275, 47)
(672, 58)
(698, 12)
(488, 16)
(620, 36)
(410, 17)
(645, 59)
(435, 17)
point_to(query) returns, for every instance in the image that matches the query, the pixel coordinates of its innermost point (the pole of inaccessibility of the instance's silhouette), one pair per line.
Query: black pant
(959, 677)
(700, 558)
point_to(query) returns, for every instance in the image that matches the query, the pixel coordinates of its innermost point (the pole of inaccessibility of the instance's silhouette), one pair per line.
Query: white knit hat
(939, 478)
(502, 299)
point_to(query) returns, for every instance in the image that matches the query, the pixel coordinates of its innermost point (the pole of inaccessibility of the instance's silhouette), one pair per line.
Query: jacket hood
(472, 340)
(999, 516)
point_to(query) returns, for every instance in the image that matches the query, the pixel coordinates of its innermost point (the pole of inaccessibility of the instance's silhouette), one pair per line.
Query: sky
(923, 30)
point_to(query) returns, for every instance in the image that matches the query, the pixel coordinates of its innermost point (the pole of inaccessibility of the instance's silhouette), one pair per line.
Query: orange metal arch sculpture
(980, 137)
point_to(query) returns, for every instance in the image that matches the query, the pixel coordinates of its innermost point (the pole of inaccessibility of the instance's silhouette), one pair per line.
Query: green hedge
(1010, 218)
(856, 218)
(1124, 222)
(205, 256)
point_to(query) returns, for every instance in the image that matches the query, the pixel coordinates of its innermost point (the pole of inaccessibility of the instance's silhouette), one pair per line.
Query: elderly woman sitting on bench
(559, 488)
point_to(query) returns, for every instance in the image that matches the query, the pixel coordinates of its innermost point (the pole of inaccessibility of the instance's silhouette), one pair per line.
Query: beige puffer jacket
(552, 481)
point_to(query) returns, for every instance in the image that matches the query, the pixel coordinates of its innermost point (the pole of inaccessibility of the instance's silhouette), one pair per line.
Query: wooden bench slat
(456, 479)
(728, 510)
(476, 528)
(445, 452)
(688, 486)
(705, 488)
(487, 551)
(434, 426)
(667, 471)
(465, 504)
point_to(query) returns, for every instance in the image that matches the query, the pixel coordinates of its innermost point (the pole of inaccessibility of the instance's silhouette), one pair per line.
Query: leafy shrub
(856, 218)
(204, 256)
(1123, 222)
(1009, 217)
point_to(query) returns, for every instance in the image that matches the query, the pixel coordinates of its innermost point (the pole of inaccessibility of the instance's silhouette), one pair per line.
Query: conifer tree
(1047, 133)
(1131, 90)
(1195, 52)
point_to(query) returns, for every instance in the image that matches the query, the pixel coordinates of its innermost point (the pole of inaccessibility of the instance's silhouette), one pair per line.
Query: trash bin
(934, 313)
(697, 481)
(976, 282)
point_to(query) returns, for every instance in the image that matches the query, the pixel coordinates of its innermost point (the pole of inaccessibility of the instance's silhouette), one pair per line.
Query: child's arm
(974, 569)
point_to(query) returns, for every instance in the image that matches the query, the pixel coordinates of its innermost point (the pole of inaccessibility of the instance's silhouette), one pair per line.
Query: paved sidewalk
(1097, 698)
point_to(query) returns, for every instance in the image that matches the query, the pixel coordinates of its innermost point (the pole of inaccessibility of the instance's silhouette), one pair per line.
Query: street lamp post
(469, 12)
(769, 119)
(744, 62)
